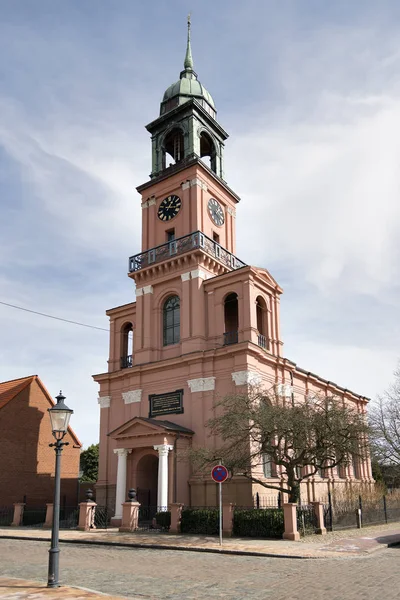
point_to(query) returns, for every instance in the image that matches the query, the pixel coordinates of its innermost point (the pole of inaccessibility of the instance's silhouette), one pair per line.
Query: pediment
(140, 426)
(267, 278)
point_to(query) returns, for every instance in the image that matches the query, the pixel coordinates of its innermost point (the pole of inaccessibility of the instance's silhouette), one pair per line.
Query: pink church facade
(204, 324)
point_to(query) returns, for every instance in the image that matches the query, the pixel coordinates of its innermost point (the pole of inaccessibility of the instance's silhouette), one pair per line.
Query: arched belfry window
(207, 149)
(231, 318)
(126, 345)
(171, 321)
(173, 147)
(262, 322)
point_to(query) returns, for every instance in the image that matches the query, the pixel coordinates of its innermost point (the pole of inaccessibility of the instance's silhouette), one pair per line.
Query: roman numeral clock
(169, 207)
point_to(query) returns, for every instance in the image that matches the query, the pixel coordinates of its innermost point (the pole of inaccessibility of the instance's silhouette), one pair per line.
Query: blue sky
(310, 95)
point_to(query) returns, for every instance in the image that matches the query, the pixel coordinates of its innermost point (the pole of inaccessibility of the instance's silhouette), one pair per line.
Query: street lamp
(59, 416)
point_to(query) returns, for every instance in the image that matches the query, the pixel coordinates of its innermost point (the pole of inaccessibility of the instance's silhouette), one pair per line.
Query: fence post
(176, 513)
(319, 515)
(330, 510)
(385, 508)
(86, 515)
(130, 516)
(18, 514)
(227, 519)
(49, 516)
(290, 520)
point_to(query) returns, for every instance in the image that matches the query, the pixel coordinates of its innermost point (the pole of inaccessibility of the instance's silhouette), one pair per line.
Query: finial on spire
(188, 64)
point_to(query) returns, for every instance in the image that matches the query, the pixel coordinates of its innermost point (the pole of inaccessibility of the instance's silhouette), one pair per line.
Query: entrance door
(147, 480)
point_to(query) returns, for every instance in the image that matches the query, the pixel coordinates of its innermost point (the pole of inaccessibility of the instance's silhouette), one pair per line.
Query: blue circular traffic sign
(219, 473)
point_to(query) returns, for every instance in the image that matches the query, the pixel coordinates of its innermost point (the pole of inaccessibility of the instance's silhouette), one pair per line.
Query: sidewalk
(355, 542)
(21, 589)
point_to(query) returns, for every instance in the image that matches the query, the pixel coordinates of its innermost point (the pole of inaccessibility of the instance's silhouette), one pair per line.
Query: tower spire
(188, 64)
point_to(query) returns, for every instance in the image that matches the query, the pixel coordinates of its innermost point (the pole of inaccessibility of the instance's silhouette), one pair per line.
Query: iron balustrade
(231, 337)
(262, 341)
(126, 361)
(180, 246)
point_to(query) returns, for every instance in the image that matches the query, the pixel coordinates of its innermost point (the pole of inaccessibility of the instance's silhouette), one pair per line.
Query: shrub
(163, 519)
(200, 520)
(263, 522)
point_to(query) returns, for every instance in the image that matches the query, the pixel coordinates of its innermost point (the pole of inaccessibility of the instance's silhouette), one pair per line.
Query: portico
(143, 445)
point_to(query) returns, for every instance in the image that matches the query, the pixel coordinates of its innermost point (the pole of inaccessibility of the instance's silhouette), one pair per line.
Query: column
(162, 491)
(121, 480)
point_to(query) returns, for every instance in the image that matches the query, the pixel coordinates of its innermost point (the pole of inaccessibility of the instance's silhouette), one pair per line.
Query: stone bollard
(176, 513)
(130, 513)
(49, 516)
(18, 514)
(319, 515)
(290, 520)
(227, 519)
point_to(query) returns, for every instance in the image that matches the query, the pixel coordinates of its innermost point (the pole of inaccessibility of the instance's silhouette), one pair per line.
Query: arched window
(126, 345)
(231, 316)
(207, 149)
(174, 147)
(171, 321)
(262, 322)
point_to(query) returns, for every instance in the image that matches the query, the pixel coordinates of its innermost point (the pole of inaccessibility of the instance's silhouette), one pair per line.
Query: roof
(10, 389)
(168, 425)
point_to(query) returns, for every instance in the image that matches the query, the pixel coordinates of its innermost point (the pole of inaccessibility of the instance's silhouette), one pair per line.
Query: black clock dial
(216, 212)
(169, 207)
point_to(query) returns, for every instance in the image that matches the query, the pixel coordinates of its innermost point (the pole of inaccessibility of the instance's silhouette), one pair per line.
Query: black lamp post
(59, 417)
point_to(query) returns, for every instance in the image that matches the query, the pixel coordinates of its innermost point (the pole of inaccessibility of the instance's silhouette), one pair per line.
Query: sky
(309, 93)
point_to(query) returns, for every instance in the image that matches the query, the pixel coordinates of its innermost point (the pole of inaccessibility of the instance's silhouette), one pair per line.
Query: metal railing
(181, 246)
(6, 515)
(262, 341)
(126, 361)
(231, 337)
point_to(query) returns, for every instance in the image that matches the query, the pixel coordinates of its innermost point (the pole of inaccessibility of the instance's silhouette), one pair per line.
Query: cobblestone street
(165, 574)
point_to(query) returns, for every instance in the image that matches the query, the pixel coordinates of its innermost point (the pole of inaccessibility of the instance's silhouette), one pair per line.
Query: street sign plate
(219, 474)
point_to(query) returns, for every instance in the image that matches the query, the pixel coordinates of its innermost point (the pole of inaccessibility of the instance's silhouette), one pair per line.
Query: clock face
(169, 207)
(216, 212)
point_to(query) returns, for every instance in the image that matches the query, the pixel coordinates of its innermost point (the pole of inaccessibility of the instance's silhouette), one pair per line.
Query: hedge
(263, 522)
(200, 520)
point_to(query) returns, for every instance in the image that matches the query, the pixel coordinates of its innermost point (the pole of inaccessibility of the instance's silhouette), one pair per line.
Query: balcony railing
(262, 341)
(126, 361)
(181, 246)
(231, 337)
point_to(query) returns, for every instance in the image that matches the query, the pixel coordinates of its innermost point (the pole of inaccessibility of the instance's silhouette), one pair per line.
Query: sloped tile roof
(10, 389)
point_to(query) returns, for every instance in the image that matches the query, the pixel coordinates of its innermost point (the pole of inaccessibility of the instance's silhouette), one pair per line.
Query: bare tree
(302, 437)
(385, 425)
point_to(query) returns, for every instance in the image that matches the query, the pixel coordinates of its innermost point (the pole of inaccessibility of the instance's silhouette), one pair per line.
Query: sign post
(219, 474)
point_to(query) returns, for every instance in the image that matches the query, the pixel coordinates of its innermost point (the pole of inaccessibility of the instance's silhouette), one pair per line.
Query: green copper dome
(187, 87)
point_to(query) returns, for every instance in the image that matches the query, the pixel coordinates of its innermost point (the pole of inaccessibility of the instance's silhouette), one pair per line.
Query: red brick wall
(27, 462)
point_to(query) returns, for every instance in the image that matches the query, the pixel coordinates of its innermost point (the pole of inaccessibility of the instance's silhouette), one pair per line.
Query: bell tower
(187, 126)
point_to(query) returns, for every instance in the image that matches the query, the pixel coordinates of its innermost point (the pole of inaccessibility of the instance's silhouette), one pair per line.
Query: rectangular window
(170, 235)
(215, 237)
(267, 466)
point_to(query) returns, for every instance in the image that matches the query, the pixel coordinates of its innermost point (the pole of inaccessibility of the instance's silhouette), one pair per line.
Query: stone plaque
(166, 404)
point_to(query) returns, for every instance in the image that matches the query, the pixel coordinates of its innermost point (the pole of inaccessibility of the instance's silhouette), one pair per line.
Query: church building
(204, 324)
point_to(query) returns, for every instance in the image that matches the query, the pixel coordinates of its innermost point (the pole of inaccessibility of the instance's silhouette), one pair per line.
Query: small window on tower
(215, 237)
(170, 235)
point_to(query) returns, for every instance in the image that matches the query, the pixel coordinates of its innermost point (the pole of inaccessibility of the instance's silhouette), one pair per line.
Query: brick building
(27, 461)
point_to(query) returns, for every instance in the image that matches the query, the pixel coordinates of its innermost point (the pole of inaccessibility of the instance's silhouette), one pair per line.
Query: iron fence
(6, 515)
(34, 516)
(307, 523)
(101, 517)
(69, 517)
(155, 519)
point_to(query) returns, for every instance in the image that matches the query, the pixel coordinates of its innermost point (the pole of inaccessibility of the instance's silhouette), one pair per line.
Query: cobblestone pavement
(168, 574)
